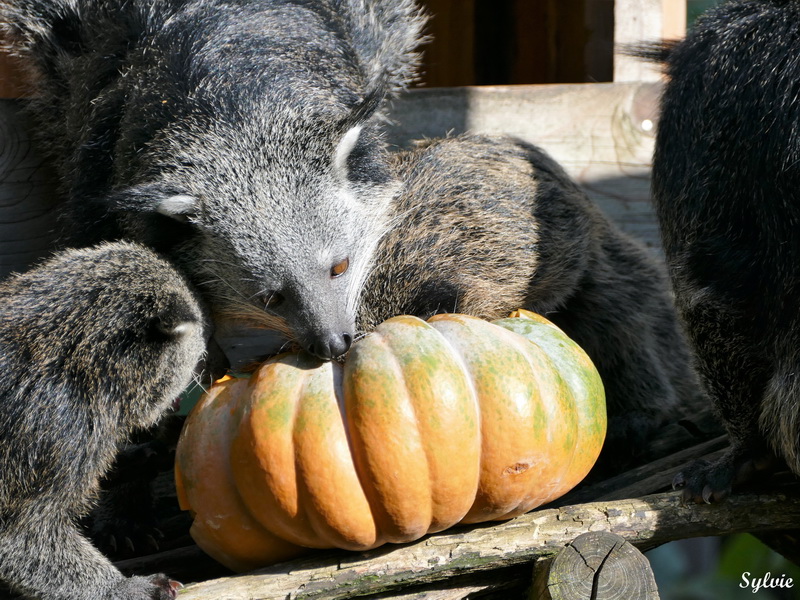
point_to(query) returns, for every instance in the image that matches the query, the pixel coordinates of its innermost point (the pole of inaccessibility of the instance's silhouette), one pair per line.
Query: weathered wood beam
(644, 522)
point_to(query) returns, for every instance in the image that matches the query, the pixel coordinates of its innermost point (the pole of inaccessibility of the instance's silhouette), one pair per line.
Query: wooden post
(673, 25)
(597, 564)
(637, 21)
(449, 59)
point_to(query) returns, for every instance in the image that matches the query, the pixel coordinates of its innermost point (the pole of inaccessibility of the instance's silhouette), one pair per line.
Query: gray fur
(94, 344)
(213, 130)
(485, 225)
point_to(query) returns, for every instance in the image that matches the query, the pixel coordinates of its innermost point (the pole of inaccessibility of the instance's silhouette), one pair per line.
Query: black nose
(328, 348)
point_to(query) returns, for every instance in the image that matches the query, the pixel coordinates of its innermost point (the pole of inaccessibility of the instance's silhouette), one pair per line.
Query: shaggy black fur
(726, 179)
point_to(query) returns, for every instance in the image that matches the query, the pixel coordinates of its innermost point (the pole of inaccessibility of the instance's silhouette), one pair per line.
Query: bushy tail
(386, 35)
(654, 52)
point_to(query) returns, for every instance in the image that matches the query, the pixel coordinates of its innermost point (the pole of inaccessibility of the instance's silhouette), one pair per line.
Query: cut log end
(602, 566)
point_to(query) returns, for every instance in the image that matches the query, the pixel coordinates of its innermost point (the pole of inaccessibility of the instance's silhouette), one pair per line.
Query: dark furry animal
(485, 225)
(240, 138)
(94, 344)
(126, 519)
(726, 179)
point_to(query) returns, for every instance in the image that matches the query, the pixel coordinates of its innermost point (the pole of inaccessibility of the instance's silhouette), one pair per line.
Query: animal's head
(232, 136)
(283, 218)
(129, 335)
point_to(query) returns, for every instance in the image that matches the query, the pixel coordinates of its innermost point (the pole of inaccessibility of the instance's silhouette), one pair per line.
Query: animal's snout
(331, 346)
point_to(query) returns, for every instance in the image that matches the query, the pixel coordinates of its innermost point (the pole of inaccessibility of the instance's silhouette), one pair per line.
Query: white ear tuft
(343, 150)
(177, 206)
(183, 327)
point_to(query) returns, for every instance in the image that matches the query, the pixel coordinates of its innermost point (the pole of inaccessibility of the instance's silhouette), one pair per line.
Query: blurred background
(497, 42)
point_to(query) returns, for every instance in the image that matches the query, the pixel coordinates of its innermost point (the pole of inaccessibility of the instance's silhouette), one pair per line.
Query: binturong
(94, 344)
(726, 180)
(240, 138)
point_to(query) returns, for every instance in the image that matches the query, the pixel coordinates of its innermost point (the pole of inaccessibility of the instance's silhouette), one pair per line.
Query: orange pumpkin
(428, 424)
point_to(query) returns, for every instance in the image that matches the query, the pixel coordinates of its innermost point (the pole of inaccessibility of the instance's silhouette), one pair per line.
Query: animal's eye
(340, 268)
(271, 300)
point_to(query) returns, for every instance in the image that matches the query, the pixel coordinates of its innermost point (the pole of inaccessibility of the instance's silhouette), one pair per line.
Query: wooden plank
(569, 36)
(449, 57)
(602, 134)
(533, 42)
(599, 49)
(673, 25)
(518, 42)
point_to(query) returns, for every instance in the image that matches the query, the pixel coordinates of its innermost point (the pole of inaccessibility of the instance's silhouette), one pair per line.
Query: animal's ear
(351, 127)
(155, 199)
(367, 106)
(343, 150)
(358, 152)
(177, 206)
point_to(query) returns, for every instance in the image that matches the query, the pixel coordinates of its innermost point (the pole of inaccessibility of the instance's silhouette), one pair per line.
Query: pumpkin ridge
(578, 371)
(443, 485)
(286, 525)
(244, 544)
(338, 386)
(401, 374)
(412, 404)
(462, 363)
(325, 473)
(433, 365)
(299, 483)
(564, 409)
(468, 333)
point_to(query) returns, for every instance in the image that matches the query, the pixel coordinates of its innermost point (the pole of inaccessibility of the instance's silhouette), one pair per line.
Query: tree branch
(644, 522)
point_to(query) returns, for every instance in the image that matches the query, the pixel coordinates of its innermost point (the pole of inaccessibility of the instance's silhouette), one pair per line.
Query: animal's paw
(153, 587)
(121, 538)
(164, 587)
(703, 481)
(124, 523)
